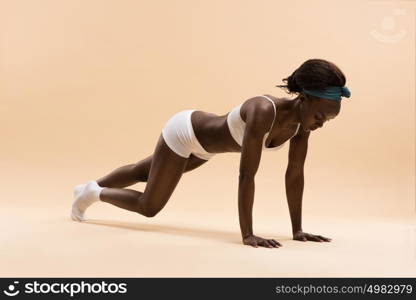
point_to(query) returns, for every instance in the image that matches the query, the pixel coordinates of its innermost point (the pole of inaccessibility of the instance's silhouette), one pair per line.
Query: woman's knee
(147, 209)
(150, 212)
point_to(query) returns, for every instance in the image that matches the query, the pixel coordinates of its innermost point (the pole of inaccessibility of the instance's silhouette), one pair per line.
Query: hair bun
(292, 84)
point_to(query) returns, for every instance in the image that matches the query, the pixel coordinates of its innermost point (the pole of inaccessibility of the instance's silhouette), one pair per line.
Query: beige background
(86, 86)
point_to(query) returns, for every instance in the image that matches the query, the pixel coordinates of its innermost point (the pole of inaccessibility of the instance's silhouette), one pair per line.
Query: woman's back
(219, 134)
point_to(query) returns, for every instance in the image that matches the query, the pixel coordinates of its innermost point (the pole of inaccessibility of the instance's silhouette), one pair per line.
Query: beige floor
(40, 241)
(371, 220)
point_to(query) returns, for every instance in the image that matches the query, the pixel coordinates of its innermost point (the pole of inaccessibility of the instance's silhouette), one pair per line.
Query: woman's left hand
(303, 236)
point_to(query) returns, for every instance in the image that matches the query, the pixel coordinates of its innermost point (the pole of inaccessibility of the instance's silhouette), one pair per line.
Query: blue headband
(331, 93)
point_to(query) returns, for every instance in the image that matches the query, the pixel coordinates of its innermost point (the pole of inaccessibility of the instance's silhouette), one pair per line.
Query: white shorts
(179, 135)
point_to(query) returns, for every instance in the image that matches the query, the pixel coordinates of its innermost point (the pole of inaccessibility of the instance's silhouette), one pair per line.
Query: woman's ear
(302, 97)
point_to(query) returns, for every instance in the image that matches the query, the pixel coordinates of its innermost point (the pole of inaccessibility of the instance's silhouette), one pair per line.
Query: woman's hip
(179, 135)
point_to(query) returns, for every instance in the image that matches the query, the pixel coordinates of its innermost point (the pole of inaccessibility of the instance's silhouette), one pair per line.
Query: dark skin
(163, 169)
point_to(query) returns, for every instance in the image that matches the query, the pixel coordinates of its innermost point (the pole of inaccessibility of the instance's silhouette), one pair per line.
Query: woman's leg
(127, 175)
(139, 172)
(165, 169)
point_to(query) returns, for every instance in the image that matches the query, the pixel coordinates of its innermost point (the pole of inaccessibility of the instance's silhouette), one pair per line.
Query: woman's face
(315, 111)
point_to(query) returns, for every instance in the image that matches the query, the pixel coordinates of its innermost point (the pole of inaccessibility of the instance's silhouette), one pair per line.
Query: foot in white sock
(85, 195)
(78, 189)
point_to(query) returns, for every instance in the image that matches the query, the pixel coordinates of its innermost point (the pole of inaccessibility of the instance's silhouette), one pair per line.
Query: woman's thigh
(141, 169)
(194, 162)
(166, 169)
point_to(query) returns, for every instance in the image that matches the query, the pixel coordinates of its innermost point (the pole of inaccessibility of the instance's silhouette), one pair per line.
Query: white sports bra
(237, 126)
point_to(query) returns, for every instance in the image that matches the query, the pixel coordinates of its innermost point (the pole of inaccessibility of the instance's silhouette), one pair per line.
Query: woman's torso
(213, 131)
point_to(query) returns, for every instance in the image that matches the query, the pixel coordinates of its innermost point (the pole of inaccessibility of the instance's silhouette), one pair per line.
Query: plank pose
(191, 137)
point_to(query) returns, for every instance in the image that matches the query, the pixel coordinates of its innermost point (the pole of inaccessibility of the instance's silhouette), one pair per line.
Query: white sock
(85, 195)
(78, 189)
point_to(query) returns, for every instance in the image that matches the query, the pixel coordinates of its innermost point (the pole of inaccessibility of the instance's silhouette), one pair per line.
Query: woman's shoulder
(258, 114)
(257, 106)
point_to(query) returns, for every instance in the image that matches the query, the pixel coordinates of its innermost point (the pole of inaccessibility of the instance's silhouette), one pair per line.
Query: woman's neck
(289, 111)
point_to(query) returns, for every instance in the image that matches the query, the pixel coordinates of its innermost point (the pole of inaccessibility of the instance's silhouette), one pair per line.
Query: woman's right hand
(256, 241)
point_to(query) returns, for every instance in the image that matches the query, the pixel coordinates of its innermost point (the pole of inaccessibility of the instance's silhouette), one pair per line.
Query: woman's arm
(257, 120)
(294, 181)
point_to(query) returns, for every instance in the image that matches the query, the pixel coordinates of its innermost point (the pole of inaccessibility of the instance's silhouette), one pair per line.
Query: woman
(191, 137)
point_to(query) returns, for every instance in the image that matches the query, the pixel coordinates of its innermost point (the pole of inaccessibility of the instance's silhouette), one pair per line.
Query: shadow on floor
(226, 236)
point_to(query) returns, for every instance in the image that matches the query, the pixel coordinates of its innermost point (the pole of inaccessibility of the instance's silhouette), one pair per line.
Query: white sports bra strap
(274, 107)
